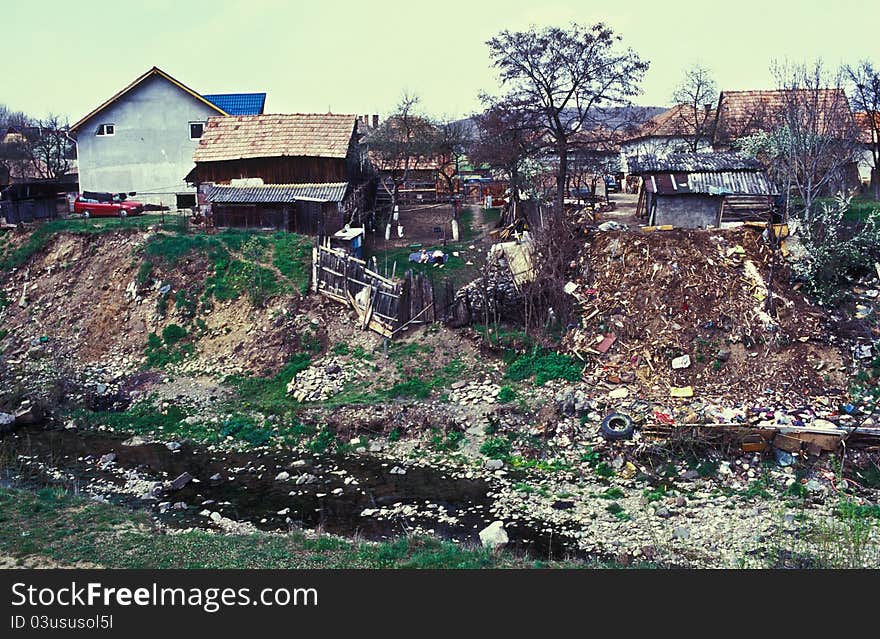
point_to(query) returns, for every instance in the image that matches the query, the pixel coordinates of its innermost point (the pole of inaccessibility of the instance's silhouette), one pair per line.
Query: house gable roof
(674, 122)
(742, 113)
(155, 71)
(240, 137)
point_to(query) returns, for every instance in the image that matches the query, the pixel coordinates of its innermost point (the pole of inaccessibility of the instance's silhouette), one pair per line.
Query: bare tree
(814, 134)
(695, 96)
(864, 80)
(565, 77)
(504, 139)
(49, 148)
(401, 143)
(452, 140)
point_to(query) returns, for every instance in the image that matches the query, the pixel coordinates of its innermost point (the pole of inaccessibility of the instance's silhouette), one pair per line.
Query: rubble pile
(684, 314)
(319, 381)
(474, 392)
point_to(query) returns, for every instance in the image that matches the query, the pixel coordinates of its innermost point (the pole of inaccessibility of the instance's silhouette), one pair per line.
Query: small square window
(196, 129)
(106, 129)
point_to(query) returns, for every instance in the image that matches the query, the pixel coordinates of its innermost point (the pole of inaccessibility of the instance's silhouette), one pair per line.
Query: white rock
(494, 535)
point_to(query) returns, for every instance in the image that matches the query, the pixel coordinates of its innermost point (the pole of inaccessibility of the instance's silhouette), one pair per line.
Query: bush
(245, 429)
(506, 394)
(833, 256)
(495, 448)
(173, 333)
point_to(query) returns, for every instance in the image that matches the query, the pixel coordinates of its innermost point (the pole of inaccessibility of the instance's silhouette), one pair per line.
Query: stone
(173, 446)
(282, 476)
(306, 478)
(181, 480)
(494, 464)
(494, 536)
(106, 459)
(681, 362)
(681, 532)
(663, 512)
(397, 470)
(216, 517)
(216, 477)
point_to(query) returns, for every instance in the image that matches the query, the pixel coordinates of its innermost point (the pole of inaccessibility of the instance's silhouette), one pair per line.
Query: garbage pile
(685, 314)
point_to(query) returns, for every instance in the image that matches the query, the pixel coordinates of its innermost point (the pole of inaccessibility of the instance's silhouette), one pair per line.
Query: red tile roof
(674, 122)
(743, 113)
(863, 123)
(259, 136)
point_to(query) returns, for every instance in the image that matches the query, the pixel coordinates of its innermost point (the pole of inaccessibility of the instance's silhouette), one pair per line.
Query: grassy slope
(70, 530)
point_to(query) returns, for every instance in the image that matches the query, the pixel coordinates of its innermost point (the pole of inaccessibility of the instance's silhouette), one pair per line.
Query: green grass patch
(544, 366)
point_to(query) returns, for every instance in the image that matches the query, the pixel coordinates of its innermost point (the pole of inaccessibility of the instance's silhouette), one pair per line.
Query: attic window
(196, 129)
(106, 129)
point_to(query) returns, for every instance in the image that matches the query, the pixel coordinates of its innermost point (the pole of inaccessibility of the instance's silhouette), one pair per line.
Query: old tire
(616, 426)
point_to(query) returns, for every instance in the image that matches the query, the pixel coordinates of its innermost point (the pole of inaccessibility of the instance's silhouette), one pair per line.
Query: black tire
(616, 426)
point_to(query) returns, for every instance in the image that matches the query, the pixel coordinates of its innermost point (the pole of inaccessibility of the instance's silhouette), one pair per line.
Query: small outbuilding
(699, 190)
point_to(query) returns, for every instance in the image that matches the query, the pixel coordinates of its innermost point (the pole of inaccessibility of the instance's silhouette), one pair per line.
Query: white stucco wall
(151, 150)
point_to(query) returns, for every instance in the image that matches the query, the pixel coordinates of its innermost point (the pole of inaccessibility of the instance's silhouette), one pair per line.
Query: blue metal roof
(238, 103)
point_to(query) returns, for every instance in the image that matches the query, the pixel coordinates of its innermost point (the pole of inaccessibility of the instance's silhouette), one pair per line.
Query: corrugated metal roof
(277, 193)
(692, 162)
(238, 103)
(711, 183)
(732, 182)
(267, 136)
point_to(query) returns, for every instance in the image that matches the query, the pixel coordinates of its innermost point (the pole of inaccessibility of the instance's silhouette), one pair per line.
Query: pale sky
(358, 57)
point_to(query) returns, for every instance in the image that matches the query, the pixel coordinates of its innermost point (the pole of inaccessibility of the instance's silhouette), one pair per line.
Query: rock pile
(474, 392)
(319, 381)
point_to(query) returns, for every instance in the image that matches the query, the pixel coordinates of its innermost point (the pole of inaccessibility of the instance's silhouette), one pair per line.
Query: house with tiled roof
(142, 138)
(744, 113)
(293, 172)
(672, 131)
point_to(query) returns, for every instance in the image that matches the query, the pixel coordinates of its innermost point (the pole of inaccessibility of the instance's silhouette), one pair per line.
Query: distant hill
(611, 118)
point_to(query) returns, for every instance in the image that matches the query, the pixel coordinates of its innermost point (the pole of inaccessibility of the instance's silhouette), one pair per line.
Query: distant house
(294, 172)
(744, 113)
(672, 131)
(142, 139)
(698, 190)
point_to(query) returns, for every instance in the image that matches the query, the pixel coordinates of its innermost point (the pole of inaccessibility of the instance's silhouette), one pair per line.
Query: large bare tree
(864, 81)
(565, 77)
(695, 96)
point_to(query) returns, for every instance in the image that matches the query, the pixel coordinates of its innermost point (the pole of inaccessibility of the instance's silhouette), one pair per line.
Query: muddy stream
(361, 495)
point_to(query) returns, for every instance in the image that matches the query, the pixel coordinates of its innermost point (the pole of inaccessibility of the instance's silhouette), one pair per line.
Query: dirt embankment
(84, 299)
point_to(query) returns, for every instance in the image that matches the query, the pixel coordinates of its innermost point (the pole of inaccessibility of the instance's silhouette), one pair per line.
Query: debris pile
(684, 313)
(319, 381)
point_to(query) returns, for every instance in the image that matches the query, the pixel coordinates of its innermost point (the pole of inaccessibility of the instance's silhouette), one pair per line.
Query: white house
(142, 139)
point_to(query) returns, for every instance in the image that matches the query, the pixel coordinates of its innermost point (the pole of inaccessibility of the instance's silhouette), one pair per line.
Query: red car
(106, 205)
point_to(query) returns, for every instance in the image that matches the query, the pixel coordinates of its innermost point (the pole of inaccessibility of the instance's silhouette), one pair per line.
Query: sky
(359, 57)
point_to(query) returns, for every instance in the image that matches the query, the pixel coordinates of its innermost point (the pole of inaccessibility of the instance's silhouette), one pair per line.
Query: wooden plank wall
(383, 305)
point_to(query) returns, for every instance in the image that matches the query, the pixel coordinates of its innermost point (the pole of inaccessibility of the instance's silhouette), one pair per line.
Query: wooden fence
(383, 305)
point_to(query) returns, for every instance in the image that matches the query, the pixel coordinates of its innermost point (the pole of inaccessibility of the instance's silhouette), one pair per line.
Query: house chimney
(375, 121)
